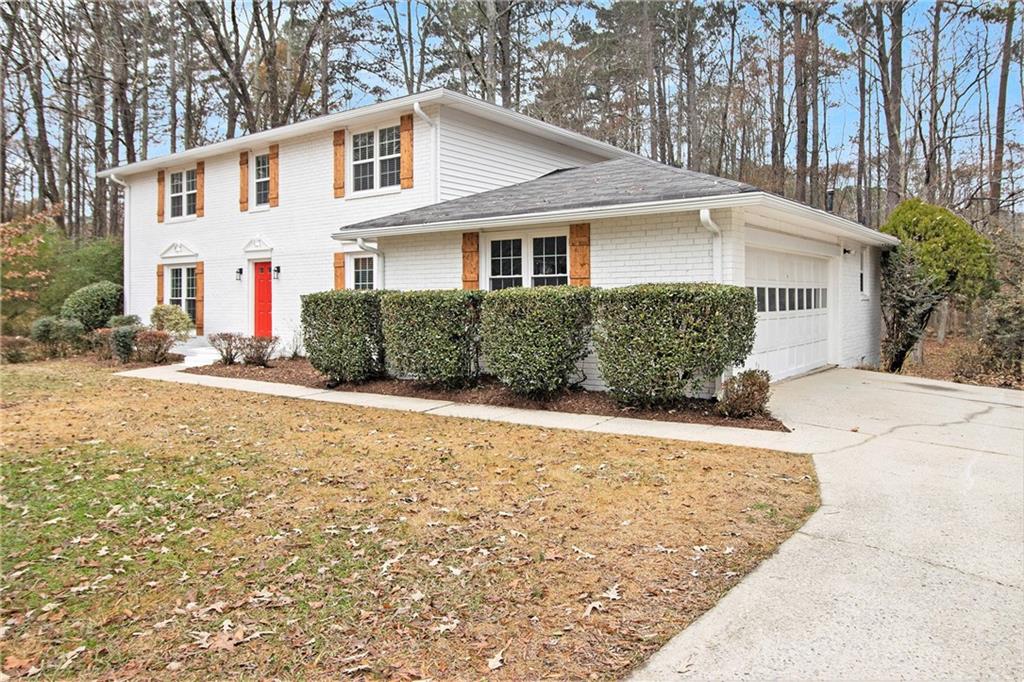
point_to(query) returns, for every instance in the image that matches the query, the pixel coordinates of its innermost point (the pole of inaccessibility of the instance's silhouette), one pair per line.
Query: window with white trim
(376, 159)
(261, 175)
(363, 272)
(862, 270)
(528, 261)
(183, 289)
(183, 193)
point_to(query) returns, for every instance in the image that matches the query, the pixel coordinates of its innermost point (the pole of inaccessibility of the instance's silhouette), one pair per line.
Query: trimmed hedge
(659, 343)
(93, 305)
(533, 338)
(432, 336)
(341, 331)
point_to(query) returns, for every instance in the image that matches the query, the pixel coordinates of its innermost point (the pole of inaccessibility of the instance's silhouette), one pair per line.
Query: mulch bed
(490, 392)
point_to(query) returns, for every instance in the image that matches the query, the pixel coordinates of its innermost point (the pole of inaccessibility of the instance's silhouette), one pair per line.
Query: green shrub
(122, 342)
(258, 350)
(432, 336)
(152, 345)
(123, 321)
(44, 332)
(93, 305)
(229, 346)
(342, 334)
(15, 349)
(746, 394)
(659, 343)
(171, 319)
(70, 333)
(534, 338)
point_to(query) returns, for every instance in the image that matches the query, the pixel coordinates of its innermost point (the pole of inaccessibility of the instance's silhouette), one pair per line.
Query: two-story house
(440, 190)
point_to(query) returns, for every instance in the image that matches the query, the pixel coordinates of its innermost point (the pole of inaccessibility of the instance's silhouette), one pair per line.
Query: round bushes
(659, 343)
(341, 331)
(432, 336)
(171, 319)
(534, 338)
(93, 305)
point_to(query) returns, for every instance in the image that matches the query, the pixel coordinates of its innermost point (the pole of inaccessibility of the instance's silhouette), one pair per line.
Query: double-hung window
(362, 272)
(183, 193)
(535, 262)
(262, 177)
(183, 289)
(376, 159)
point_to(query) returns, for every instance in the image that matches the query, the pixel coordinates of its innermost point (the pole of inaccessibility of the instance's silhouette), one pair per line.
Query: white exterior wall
(861, 313)
(478, 155)
(298, 229)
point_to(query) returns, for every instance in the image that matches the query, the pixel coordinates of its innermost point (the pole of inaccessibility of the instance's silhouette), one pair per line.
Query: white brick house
(439, 190)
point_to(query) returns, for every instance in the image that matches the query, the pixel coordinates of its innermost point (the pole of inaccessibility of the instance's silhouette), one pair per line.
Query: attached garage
(792, 292)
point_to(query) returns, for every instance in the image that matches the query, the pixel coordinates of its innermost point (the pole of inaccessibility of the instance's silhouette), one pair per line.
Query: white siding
(861, 313)
(478, 155)
(299, 229)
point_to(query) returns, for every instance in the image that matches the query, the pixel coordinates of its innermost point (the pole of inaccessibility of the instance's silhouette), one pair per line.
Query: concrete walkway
(914, 565)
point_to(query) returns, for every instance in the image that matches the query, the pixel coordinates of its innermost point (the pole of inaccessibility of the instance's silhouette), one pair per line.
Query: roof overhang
(812, 218)
(342, 119)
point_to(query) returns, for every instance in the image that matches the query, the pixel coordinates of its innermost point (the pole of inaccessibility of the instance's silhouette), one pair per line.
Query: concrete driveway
(914, 565)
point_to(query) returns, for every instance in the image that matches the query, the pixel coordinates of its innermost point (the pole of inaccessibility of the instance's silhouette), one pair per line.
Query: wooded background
(848, 107)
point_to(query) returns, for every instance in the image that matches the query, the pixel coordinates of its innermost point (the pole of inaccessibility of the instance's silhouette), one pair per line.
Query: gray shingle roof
(619, 181)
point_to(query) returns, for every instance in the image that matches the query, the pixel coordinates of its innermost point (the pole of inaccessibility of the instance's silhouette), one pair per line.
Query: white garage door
(792, 311)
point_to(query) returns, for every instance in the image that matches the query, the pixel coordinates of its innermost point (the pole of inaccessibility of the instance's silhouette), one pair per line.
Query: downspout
(716, 244)
(363, 246)
(436, 142)
(126, 240)
(716, 265)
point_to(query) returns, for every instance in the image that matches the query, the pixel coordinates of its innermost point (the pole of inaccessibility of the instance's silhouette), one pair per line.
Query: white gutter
(435, 133)
(716, 243)
(126, 239)
(844, 227)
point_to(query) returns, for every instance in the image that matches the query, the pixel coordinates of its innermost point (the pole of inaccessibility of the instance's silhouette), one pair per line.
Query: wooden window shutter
(339, 271)
(579, 254)
(470, 260)
(200, 192)
(406, 145)
(200, 317)
(273, 175)
(339, 164)
(243, 181)
(160, 284)
(160, 196)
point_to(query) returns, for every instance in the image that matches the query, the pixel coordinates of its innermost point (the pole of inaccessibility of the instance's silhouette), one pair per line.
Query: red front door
(264, 323)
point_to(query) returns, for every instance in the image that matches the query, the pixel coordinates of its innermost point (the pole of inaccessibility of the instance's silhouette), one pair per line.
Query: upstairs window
(376, 159)
(183, 193)
(262, 176)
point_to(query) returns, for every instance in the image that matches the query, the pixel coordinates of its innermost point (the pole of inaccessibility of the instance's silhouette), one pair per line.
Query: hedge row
(656, 344)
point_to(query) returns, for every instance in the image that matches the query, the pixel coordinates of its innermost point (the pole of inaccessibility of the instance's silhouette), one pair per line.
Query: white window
(376, 159)
(533, 262)
(363, 272)
(862, 271)
(183, 289)
(262, 179)
(183, 193)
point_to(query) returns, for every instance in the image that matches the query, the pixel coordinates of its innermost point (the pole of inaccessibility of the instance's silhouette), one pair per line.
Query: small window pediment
(179, 251)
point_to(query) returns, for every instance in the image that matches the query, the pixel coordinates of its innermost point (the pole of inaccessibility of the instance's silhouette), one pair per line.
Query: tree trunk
(996, 176)
(800, 94)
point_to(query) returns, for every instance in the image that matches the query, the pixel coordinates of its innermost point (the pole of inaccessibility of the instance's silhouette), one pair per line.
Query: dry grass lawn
(167, 530)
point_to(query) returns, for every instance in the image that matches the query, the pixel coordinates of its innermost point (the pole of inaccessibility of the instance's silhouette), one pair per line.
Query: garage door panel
(792, 320)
